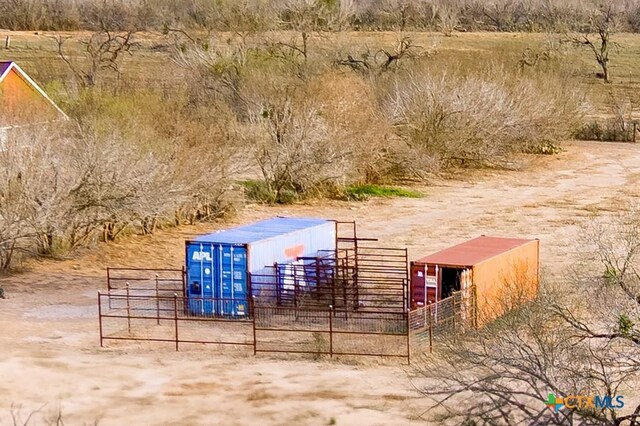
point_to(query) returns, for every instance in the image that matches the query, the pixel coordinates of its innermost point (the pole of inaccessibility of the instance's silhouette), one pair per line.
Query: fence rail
(455, 314)
(164, 319)
(284, 329)
(331, 332)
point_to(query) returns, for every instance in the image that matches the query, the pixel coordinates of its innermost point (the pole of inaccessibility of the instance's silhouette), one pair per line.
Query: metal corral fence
(369, 278)
(124, 315)
(455, 314)
(331, 332)
(158, 282)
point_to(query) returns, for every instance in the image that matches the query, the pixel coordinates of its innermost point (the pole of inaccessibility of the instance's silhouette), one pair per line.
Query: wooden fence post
(175, 316)
(635, 129)
(7, 42)
(100, 317)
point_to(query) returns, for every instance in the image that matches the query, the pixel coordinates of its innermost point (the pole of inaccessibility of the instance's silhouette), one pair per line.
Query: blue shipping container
(217, 264)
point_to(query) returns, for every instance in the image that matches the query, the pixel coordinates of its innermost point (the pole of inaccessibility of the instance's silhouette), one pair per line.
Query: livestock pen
(349, 301)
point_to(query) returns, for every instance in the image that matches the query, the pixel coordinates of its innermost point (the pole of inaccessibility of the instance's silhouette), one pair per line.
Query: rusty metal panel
(506, 281)
(473, 251)
(504, 272)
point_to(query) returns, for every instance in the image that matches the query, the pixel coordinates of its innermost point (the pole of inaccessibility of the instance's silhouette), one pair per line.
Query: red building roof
(22, 101)
(473, 251)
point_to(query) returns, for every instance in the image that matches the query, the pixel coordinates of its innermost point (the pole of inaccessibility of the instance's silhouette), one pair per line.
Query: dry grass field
(49, 340)
(36, 52)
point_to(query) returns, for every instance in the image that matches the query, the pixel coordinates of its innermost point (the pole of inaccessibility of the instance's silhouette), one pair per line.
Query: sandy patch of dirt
(49, 341)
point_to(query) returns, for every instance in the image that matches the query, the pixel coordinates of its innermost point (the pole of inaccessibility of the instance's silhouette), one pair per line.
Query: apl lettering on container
(218, 264)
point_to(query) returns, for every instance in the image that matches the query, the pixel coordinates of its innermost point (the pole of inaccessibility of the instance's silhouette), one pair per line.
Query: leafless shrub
(623, 111)
(349, 105)
(58, 191)
(17, 416)
(52, 417)
(217, 78)
(618, 127)
(475, 120)
(448, 16)
(110, 15)
(400, 14)
(293, 143)
(299, 133)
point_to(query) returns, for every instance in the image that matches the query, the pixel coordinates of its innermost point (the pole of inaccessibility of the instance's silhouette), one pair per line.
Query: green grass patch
(363, 192)
(258, 191)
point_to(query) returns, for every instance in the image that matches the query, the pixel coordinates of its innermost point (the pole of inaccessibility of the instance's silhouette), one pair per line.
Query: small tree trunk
(108, 232)
(605, 73)
(305, 45)
(6, 255)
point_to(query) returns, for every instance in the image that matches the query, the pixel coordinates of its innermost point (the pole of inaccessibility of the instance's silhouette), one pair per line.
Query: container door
(465, 286)
(465, 279)
(200, 278)
(418, 290)
(208, 291)
(239, 281)
(432, 282)
(231, 280)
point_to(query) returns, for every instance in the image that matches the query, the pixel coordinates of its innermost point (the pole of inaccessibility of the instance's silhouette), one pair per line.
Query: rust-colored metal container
(503, 273)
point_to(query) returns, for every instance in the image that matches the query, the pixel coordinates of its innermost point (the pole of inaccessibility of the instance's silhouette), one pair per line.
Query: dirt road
(48, 327)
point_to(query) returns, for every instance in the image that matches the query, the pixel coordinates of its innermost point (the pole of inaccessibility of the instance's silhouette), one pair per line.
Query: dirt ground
(49, 330)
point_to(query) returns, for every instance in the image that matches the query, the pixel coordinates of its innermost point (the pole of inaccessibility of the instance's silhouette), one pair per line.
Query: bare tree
(500, 14)
(103, 51)
(385, 59)
(448, 16)
(603, 20)
(342, 15)
(401, 13)
(304, 17)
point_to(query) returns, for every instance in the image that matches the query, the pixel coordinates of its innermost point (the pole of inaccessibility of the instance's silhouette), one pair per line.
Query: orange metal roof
(20, 95)
(473, 251)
